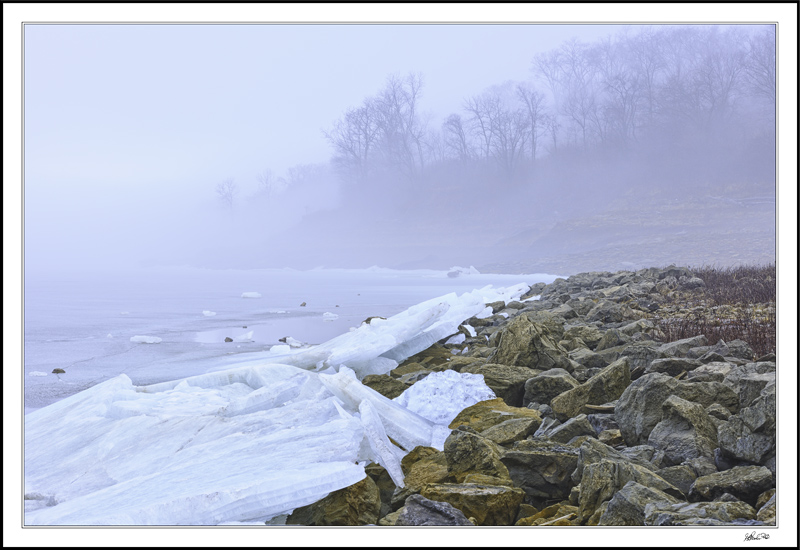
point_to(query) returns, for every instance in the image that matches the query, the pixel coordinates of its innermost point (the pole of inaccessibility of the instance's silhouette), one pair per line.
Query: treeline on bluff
(679, 108)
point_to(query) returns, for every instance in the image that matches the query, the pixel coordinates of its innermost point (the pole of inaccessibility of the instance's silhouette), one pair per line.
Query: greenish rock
(589, 334)
(523, 343)
(468, 452)
(485, 414)
(358, 504)
(608, 385)
(514, 429)
(385, 385)
(767, 512)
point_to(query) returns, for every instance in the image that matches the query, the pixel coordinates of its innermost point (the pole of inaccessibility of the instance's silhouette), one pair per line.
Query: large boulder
(467, 452)
(744, 482)
(604, 387)
(751, 434)
(574, 427)
(542, 469)
(601, 480)
(419, 511)
(524, 343)
(543, 387)
(638, 409)
(421, 466)
(358, 504)
(589, 334)
(507, 382)
(699, 513)
(627, 505)
(684, 432)
(672, 366)
(485, 414)
(487, 504)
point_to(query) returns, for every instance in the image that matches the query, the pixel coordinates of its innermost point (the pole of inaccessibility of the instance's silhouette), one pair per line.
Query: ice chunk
(471, 330)
(440, 396)
(485, 313)
(327, 316)
(251, 295)
(405, 427)
(382, 448)
(208, 313)
(246, 337)
(145, 339)
(456, 339)
(37, 373)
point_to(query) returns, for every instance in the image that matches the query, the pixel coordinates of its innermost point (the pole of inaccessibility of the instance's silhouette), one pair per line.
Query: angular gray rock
(419, 510)
(542, 469)
(543, 387)
(684, 432)
(602, 388)
(698, 513)
(744, 482)
(627, 505)
(638, 409)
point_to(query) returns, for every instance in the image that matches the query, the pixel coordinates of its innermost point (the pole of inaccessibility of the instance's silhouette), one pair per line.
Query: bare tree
(760, 68)
(455, 138)
(534, 107)
(354, 139)
(227, 191)
(268, 184)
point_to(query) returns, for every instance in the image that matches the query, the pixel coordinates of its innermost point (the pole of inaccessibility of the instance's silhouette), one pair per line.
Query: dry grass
(736, 303)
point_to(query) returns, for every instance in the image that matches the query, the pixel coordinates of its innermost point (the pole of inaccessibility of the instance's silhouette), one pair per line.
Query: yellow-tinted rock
(485, 414)
(488, 504)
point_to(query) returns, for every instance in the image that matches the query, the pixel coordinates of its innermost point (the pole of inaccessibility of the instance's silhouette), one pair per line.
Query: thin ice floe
(250, 443)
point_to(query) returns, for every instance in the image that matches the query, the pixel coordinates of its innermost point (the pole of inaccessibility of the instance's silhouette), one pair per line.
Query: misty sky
(128, 126)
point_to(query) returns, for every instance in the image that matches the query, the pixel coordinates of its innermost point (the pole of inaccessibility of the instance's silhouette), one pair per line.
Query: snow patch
(145, 339)
(37, 373)
(251, 295)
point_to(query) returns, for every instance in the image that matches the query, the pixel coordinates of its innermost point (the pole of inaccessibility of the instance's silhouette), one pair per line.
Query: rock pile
(595, 422)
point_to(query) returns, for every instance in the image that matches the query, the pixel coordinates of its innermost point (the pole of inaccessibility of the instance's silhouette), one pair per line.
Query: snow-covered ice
(245, 437)
(251, 295)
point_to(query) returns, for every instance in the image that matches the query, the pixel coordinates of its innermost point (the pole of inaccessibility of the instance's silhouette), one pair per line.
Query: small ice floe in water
(251, 295)
(145, 339)
(246, 337)
(124, 312)
(209, 313)
(109, 335)
(327, 316)
(292, 342)
(37, 373)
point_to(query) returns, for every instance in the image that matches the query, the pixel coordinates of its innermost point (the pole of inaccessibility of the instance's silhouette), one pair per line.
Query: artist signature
(756, 536)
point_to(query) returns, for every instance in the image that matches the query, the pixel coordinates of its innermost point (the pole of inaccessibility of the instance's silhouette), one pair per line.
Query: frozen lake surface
(218, 398)
(83, 324)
